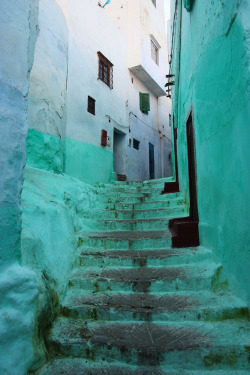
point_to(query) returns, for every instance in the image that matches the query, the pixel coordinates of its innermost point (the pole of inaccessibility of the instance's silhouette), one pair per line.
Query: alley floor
(135, 305)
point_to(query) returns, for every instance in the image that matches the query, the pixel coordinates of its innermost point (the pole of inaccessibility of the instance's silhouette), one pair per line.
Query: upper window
(154, 2)
(136, 144)
(154, 52)
(105, 70)
(91, 105)
(144, 102)
(155, 47)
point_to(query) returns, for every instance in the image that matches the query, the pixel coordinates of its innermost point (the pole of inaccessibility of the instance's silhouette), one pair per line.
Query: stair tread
(128, 235)
(145, 210)
(164, 336)
(147, 274)
(157, 302)
(76, 366)
(130, 220)
(155, 253)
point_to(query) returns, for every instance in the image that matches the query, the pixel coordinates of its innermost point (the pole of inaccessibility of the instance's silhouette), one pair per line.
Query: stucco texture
(214, 78)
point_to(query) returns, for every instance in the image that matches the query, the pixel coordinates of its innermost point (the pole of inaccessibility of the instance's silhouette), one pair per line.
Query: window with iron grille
(154, 52)
(91, 105)
(136, 144)
(105, 70)
(154, 2)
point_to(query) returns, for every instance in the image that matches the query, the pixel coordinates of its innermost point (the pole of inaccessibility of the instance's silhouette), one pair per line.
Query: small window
(136, 144)
(154, 52)
(105, 70)
(154, 2)
(144, 102)
(91, 105)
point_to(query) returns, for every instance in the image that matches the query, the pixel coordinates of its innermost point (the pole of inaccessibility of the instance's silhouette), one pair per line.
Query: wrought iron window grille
(105, 70)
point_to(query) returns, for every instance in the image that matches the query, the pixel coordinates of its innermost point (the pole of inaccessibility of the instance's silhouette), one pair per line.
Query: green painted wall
(213, 76)
(88, 162)
(44, 151)
(84, 161)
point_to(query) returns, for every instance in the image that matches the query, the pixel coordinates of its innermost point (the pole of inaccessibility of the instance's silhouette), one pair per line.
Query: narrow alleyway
(137, 306)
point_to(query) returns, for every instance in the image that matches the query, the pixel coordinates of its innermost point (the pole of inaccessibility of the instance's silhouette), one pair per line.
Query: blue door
(151, 161)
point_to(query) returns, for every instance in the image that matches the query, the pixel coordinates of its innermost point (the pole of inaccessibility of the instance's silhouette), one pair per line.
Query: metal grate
(136, 144)
(105, 71)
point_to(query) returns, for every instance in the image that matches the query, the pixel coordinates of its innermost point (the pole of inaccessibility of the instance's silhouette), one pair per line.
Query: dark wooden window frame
(91, 105)
(105, 70)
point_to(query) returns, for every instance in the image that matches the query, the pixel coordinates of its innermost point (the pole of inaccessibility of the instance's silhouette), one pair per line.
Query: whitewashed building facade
(97, 102)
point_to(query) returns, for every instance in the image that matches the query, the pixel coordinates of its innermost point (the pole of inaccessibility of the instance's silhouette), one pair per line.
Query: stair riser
(125, 198)
(193, 358)
(156, 286)
(140, 206)
(108, 244)
(89, 260)
(136, 215)
(116, 314)
(153, 183)
(93, 225)
(129, 190)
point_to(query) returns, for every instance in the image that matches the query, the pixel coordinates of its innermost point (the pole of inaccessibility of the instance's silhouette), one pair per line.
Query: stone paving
(137, 306)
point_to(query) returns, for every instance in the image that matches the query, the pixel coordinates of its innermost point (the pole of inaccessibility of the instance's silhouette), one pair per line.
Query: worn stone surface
(135, 305)
(210, 60)
(18, 285)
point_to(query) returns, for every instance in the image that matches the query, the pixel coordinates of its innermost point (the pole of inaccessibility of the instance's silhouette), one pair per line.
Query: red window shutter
(104, 138)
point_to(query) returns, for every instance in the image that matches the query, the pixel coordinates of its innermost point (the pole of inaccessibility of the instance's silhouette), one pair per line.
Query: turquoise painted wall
(88, 162)
(18, 284)
(84, 161)
(213, 76)
(54, 209)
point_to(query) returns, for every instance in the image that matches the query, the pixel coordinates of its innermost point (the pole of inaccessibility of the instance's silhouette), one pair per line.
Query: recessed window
(105, 70)
(136, 144)
(144, 102)
(154, 2)
(154, 52)
(155, 49)
(91, 105)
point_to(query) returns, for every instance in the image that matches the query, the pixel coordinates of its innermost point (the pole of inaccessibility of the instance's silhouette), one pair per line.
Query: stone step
(198, 276)
(156, 182)
(135, 198)
(176, 306)
(175, 211)
(195, 345)
(125, 225)
(129, 189)
(140, 205)
(79, 366)
(143, 258)
(132, 240)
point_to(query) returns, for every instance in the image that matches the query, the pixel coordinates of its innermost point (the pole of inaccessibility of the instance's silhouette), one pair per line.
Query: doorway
(119, 152)
(151, 161)
(192, 171)
(175, 153)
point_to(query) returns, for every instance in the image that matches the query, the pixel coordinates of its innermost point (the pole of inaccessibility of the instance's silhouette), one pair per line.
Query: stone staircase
(135, 305)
